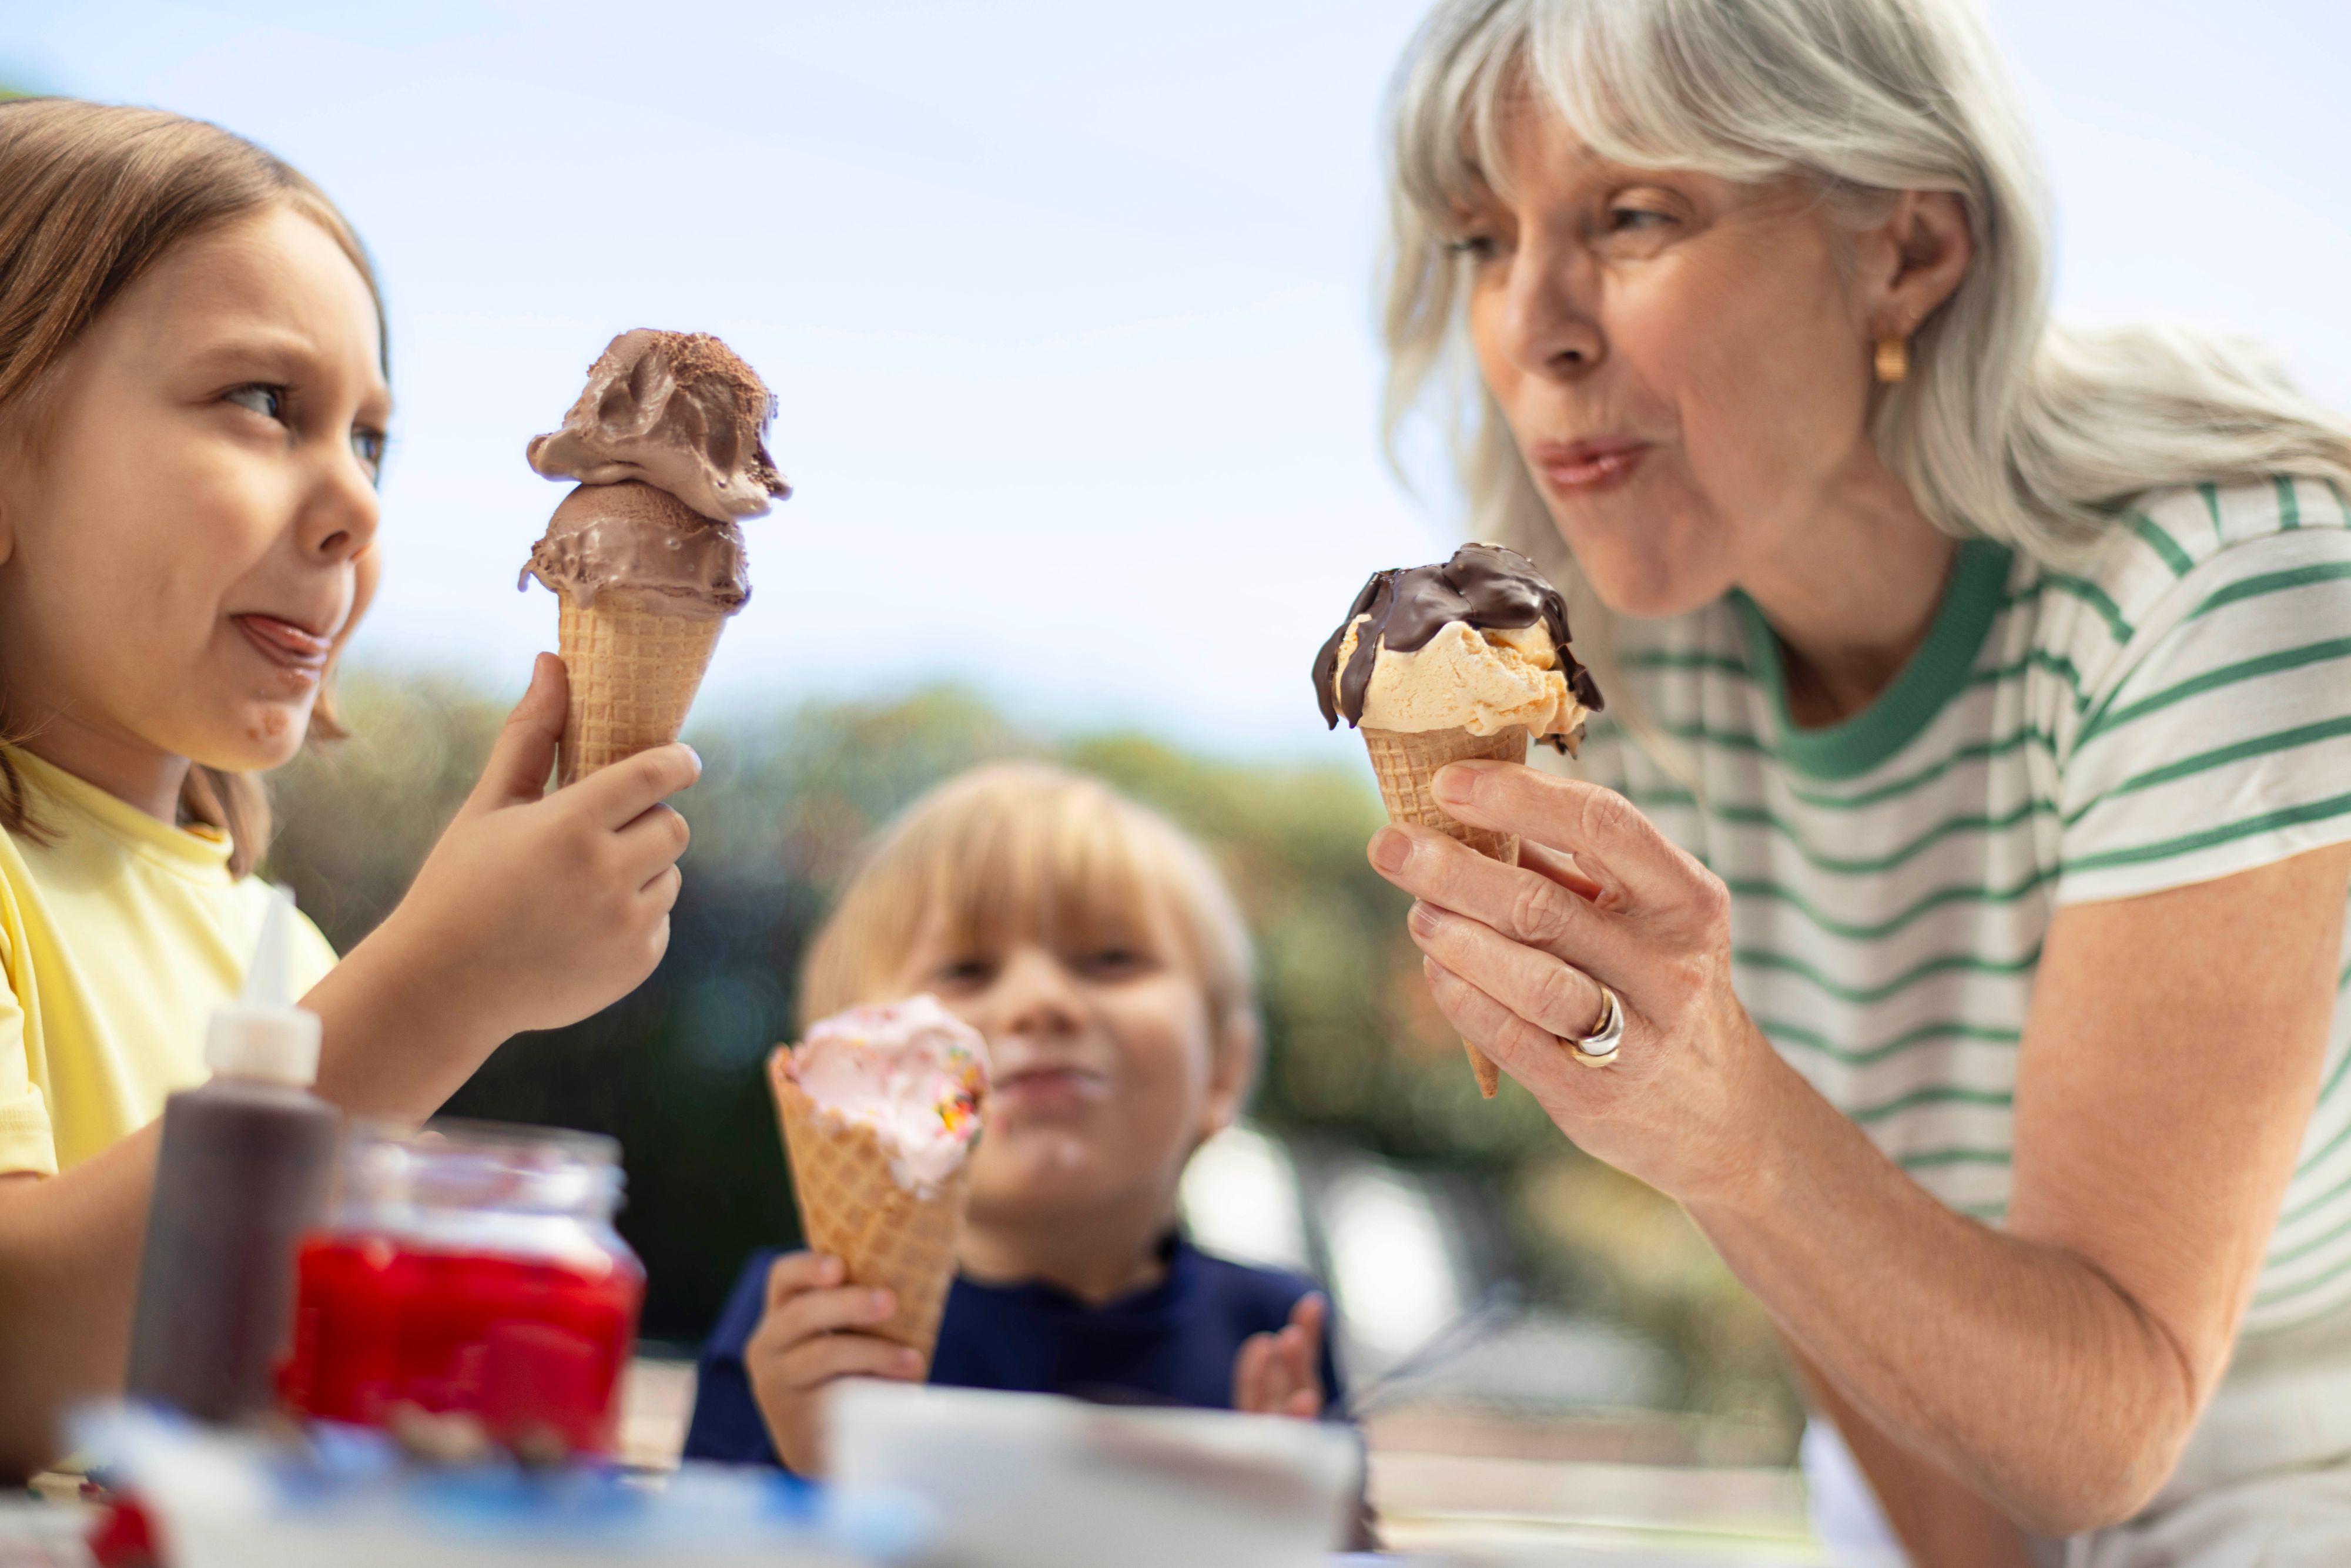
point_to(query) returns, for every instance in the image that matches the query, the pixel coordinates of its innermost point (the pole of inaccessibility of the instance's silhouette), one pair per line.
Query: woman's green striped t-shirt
(2178, 711)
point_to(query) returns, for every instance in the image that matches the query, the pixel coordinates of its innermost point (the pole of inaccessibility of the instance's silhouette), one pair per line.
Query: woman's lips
(1587, 467)
(285, 644)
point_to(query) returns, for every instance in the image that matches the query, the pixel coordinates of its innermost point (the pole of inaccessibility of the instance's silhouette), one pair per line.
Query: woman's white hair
(2009, 425)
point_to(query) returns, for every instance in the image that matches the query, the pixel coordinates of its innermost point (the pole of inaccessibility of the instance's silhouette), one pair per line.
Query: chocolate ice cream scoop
(634, 538)
(676, 410)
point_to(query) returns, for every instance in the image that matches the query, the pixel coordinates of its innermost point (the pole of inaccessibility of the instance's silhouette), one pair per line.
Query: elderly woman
(1967, 853)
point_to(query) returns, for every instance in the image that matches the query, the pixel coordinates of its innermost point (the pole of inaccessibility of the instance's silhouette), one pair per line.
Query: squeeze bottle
(243, 1171)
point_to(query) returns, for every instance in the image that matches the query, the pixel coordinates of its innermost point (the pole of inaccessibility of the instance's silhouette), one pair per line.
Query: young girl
(193, 406)
(1097, 950)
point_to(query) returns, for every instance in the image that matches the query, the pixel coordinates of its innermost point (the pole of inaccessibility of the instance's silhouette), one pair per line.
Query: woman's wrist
(1763, 1130)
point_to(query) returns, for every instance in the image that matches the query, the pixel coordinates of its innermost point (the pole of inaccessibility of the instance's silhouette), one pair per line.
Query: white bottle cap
(262, 1034)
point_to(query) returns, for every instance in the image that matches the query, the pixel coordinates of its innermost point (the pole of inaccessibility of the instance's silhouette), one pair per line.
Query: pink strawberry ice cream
(912, 1071)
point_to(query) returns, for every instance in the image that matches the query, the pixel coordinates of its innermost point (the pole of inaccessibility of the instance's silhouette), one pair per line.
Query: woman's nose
(1547, 331)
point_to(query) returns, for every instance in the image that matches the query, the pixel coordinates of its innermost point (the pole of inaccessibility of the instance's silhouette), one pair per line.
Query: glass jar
(470, 1281)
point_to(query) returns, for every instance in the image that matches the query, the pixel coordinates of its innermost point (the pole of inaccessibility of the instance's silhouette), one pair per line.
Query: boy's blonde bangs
(1025, 850)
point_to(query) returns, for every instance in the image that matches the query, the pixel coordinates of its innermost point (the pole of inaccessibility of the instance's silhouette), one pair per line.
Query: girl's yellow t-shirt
(118, 938)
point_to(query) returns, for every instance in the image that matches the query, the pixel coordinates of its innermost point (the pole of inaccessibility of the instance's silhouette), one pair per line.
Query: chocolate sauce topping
(674, 409)
(1491, 588)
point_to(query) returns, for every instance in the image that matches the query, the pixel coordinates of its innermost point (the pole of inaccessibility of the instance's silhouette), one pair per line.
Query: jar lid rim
(464, 1132)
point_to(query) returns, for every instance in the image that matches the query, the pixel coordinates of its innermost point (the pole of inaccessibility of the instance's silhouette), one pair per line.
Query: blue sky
(1066, 305)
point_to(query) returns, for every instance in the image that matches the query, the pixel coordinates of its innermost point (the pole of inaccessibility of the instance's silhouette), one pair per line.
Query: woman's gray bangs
(1643, 89)
(1620, 71)
(1450, 103)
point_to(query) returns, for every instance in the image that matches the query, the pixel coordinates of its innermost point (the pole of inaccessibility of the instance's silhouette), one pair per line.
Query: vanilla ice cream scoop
(913, 1071)
(1477, 643)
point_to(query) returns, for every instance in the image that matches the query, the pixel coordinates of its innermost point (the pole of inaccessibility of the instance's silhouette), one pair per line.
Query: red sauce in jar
(478, 1279)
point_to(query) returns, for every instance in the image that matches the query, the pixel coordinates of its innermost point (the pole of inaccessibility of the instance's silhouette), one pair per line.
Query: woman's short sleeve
(2217, 737)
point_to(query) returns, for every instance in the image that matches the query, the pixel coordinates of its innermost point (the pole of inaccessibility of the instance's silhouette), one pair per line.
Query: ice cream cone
(634, 673)
(1406, 765)
(854, 1208)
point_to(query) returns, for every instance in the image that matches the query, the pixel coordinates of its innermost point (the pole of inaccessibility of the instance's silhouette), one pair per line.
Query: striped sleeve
(2218, 737)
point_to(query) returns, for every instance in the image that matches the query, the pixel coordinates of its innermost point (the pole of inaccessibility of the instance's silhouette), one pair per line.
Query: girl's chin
(263, 735)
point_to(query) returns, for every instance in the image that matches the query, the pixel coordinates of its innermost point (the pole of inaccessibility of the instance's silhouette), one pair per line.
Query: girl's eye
(1477, 248)
(265, 400)
(367, 445)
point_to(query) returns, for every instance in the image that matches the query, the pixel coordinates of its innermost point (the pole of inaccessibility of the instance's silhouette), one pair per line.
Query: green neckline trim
(1936, 672)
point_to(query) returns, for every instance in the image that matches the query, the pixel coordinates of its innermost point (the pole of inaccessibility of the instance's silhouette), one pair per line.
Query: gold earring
(1893, 360)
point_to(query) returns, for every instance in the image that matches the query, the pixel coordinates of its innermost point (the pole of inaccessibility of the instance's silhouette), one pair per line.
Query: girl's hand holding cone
(535, 909)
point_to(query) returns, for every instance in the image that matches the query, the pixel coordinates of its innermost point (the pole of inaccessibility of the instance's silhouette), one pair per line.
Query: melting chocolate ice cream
(678, 411)
(645, 541)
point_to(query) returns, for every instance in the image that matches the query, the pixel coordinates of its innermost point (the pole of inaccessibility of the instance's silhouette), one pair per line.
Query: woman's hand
(2055, 1366)
(811, 1335)
(1280, 1374)
(1514, 957)
(535, 909)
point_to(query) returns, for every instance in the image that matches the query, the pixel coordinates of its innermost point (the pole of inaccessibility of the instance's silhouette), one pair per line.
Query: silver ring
(1598, 1048)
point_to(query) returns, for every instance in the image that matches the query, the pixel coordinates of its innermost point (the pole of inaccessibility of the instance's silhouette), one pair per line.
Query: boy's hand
(810, 1335)
(539, 908)
(1280, 1374)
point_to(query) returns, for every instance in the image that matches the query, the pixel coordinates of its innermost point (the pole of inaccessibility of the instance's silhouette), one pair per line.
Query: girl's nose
(339, 515)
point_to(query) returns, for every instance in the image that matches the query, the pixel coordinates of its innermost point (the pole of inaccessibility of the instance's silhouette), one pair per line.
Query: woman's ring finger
(1598, 1046)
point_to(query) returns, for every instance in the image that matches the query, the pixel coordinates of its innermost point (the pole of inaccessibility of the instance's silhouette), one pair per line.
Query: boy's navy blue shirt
(1173, 1343)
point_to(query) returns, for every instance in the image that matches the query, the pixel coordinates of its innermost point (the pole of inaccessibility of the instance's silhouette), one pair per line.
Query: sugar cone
(1407, 764)
(634, 673)
(852, 1207)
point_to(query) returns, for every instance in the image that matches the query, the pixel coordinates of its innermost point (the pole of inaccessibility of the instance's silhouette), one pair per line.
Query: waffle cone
(852, 1207)
(1406, 765)
(634, 673)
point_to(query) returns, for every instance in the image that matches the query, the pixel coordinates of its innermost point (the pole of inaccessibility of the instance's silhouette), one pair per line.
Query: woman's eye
(1477, 248)
(1632, 220)
(265, 400)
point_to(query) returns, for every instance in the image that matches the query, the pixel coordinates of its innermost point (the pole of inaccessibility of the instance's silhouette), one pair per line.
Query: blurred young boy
(1101, 956)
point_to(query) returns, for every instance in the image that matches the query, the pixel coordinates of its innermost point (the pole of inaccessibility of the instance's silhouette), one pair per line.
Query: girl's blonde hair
(2008, 425)
(1021, 851)
(91, 196)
